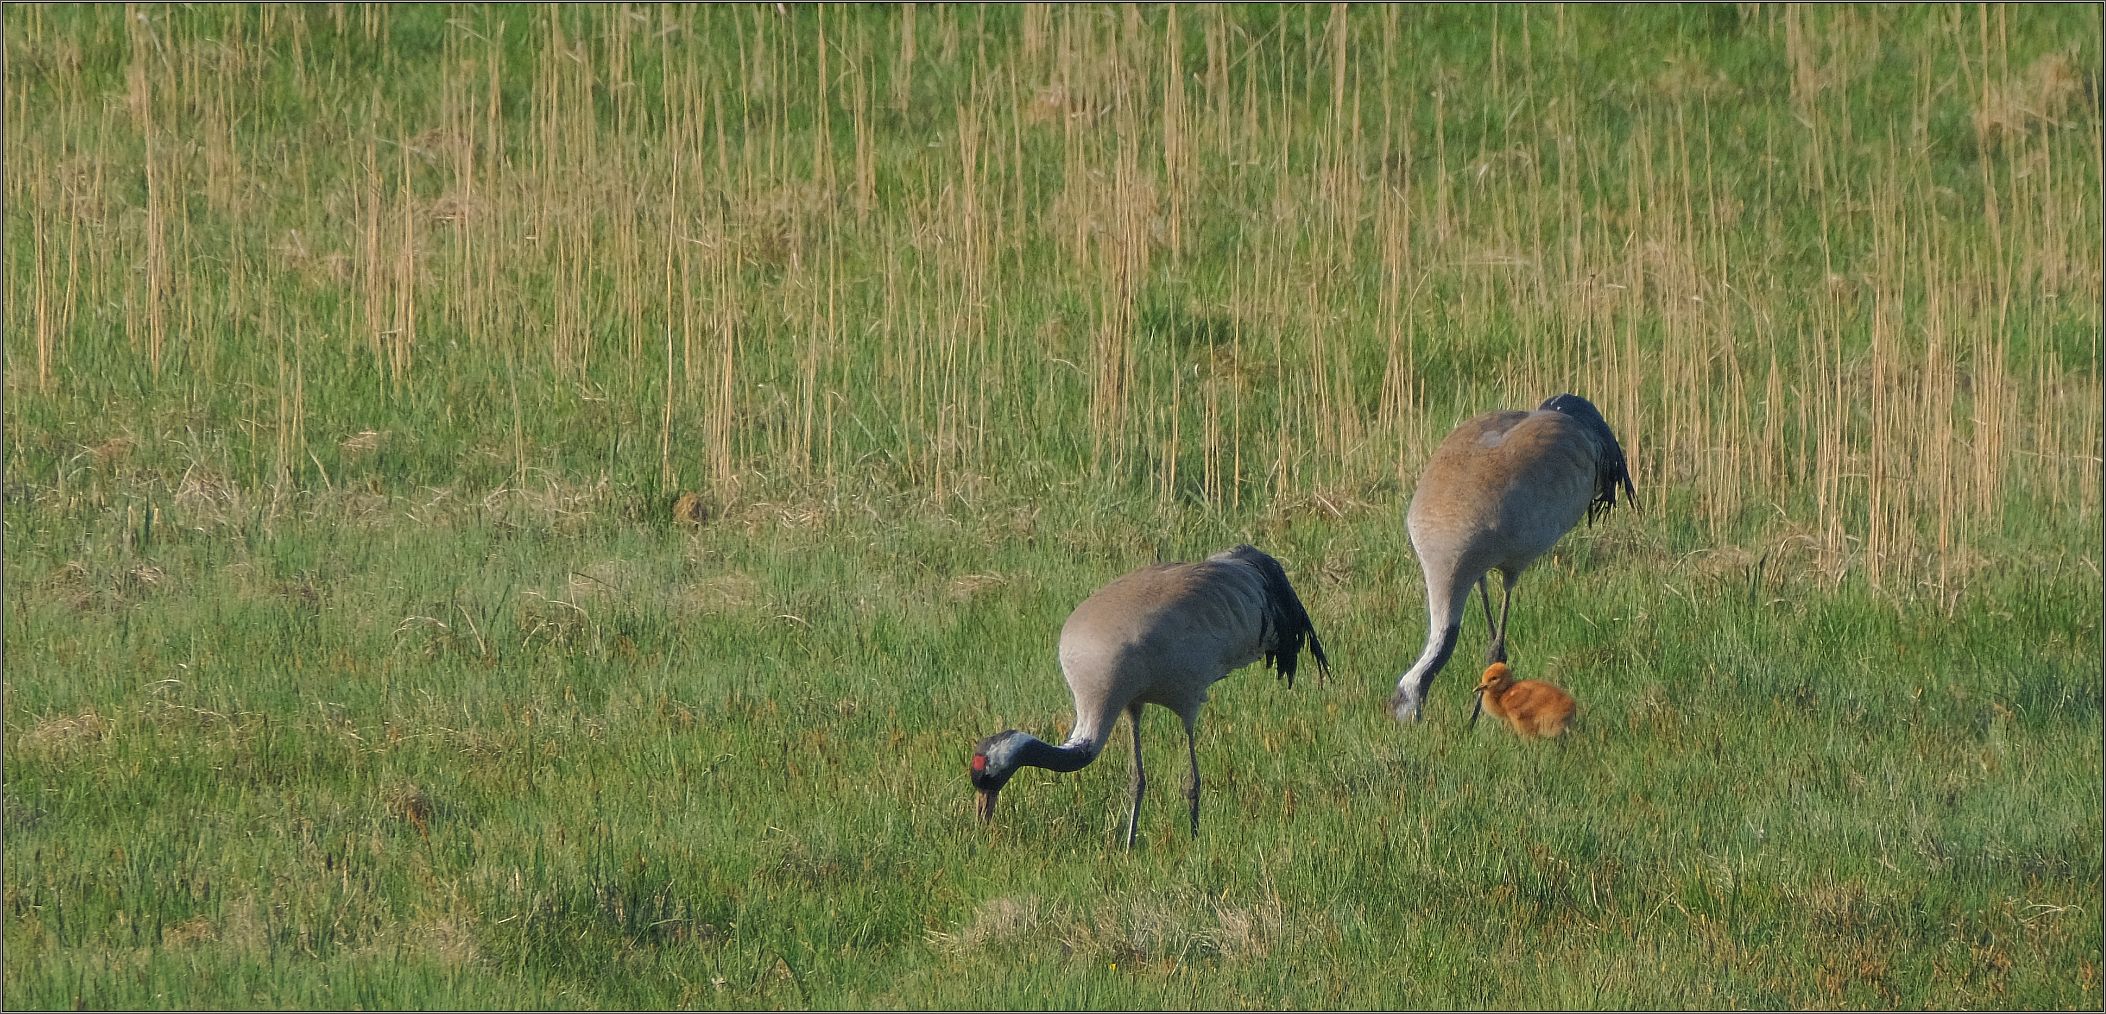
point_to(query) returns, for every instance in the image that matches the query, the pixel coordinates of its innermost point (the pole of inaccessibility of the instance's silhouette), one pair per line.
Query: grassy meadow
(355, 357)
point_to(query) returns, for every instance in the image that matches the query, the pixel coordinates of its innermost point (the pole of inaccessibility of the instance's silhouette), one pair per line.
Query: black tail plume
(1284, 613)
(1614, 471)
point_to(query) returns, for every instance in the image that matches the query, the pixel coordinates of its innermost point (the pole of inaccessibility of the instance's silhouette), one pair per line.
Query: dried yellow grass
(60, 734)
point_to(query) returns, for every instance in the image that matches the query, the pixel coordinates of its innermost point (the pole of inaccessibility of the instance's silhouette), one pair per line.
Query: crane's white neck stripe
(1002, 756)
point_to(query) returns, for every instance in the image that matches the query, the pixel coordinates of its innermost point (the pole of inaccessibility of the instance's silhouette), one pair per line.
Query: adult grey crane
(1160, 635)
(1499, 492)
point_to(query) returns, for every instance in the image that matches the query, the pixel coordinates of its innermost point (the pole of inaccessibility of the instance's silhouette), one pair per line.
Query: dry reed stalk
(44, 330)
(404, 333)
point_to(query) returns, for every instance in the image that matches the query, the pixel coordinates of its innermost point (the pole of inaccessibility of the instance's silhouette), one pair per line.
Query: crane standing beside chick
(1500, 490)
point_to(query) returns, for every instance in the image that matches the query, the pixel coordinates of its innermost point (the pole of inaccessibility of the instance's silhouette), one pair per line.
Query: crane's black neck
(1435, 656)
(1037, 753)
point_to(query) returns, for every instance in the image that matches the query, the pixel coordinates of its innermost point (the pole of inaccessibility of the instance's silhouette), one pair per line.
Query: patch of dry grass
(65, 734)
(1121, 928)
(2042, 95)
(409, 802)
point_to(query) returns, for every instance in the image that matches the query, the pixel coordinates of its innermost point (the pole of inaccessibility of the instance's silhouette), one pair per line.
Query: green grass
(643, 776)
(354, 356)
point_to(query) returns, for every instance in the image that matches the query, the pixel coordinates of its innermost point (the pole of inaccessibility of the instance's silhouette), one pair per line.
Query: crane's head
(994, 761)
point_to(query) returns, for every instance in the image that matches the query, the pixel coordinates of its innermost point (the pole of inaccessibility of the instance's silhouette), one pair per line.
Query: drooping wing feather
(1613, 470)
(1285, 615)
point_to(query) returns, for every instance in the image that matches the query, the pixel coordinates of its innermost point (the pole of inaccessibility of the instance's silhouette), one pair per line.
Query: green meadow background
(361, 648)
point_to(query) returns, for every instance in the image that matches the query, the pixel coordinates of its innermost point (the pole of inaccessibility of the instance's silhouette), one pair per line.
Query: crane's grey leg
(1506, 601)
(1192, 787)
(1484, 594)
(1496, 652)
(1140, 779)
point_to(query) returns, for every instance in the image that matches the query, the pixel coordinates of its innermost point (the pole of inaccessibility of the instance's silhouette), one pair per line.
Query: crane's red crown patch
(979, 763)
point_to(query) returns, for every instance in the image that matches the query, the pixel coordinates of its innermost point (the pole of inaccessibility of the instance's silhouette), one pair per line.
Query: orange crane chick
(1534, 708)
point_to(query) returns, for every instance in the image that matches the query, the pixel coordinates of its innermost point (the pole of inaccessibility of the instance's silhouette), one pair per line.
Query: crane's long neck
(1030, 751)
(1016, 749)
(1444, 611)
(1411, 689)
(1093, 728)
(998, 757)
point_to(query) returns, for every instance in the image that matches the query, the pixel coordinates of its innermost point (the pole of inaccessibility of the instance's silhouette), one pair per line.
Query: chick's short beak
(987, 804)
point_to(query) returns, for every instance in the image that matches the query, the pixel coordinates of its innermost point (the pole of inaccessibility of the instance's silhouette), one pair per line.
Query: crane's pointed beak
(1476, 708)
(987, 804)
